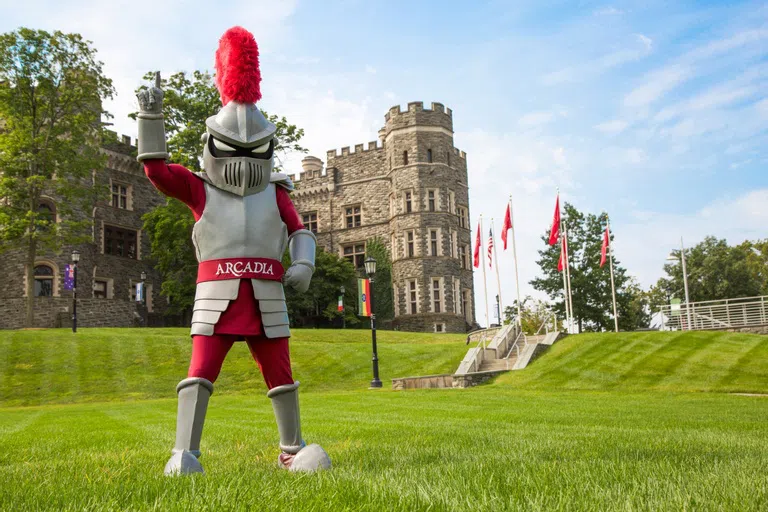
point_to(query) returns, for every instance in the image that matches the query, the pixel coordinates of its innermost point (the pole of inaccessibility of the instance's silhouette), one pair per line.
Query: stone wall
(53, 312)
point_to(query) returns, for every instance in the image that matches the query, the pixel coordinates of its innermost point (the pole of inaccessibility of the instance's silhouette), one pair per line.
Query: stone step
(497, 364)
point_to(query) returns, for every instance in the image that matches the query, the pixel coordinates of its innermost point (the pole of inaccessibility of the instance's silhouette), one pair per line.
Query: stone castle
(409, 188)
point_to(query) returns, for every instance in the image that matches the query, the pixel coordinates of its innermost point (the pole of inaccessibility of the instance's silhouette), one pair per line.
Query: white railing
(715, 314)
(516, 346)
(552, 317)
(499, 339)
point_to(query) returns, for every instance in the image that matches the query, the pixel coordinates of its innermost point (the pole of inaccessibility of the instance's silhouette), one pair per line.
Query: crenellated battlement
(358, 148)
(416, 115)
(415, 107)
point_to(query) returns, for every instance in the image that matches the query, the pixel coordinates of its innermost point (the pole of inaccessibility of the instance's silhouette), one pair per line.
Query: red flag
(507, 226)
(477, 248)
(555, 230)
(604, 249)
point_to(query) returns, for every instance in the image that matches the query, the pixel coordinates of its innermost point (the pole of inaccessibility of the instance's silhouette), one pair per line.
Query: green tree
(718, 271)
(320, 302)
(382, 283)
(534, 313)
(51, 92)
(590, 284)
(187, 102)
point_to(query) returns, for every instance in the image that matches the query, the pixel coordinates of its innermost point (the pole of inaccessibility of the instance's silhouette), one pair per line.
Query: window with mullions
(120, 242)
(309, 220)
(44, 281)
(355, 254)
(353, 216)
(119, 196)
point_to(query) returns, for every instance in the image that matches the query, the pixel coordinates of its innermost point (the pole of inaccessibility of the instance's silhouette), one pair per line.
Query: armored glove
(151, 129)
(301, 246)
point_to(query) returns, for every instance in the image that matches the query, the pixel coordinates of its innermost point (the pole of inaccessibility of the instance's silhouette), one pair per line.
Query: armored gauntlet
(301, 246)
(151, 129)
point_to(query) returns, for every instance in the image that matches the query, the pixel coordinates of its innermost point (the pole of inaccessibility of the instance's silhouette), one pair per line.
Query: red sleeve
(177, 181)
(287, 210)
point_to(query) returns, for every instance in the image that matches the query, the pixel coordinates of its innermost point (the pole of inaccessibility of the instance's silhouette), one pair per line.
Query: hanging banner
(69, 277)
(364, 294)
(139, 292)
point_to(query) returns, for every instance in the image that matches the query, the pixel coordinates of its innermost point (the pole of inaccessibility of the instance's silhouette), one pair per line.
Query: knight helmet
(239, 141)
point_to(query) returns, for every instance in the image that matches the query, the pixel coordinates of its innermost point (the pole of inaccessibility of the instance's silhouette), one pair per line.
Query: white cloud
(646, 41)
(656, 85)
(612, 127)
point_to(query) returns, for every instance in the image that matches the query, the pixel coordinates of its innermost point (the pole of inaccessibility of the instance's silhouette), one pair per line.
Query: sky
(654, 113)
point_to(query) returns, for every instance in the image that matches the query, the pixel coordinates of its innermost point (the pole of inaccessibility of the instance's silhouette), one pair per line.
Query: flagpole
(565, 284)
(613, 288)
(496, 261)
(514, 255)
(482, 264)
(568, 271)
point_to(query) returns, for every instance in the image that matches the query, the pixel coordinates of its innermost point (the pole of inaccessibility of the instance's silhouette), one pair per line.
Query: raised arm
(177, 181)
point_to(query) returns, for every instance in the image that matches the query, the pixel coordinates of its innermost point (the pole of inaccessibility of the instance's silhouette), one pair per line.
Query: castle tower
(429, 220)
(409, 189)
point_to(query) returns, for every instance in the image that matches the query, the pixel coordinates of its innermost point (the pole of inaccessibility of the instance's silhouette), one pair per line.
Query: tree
(187, 103)
(382, 283)
(590, 284)
(321, 300)
(718, 271)
(51, 92)
(534, 313)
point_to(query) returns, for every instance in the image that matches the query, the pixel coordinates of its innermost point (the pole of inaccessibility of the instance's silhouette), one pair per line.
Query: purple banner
(69, 276)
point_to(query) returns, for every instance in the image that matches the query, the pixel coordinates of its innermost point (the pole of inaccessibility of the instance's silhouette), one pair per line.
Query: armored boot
(194, 393)
(296, 456)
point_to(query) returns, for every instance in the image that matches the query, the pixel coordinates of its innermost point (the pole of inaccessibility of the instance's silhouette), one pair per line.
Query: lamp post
(370, 269)
(498, 310)
(144, 296)
(75, 259)
(685, 281)
(343, 307)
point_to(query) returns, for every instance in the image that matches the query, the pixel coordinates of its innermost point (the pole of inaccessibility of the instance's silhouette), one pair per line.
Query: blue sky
(655, 113)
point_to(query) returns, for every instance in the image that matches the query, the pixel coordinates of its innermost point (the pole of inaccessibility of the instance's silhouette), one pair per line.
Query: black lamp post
(343, 308)
(498, 310)
(144, 296)
(75, 259)
(370, 269)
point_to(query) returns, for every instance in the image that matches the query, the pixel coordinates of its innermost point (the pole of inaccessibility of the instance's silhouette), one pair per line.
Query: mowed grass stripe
(687, 361)
(58, 366)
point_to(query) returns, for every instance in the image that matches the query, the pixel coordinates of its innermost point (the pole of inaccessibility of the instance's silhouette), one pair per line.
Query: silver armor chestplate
(239, 227)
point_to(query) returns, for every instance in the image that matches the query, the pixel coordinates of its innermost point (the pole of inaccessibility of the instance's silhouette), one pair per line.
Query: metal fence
(715, 314)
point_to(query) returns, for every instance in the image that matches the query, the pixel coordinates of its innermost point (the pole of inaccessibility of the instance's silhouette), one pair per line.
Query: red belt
(240, 268)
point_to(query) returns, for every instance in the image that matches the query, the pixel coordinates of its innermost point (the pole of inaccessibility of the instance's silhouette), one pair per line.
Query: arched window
(44, 281)
(429, 155)
(405, 158)
(46, 210)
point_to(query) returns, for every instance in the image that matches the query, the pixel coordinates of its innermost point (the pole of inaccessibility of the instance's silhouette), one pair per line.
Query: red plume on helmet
(237, 67)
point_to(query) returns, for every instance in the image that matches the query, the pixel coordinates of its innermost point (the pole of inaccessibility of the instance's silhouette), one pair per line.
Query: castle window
(451, 201)
(433, 200)
(353, 216)
(44, 281)
(463, 220)
(433, 245)
(439, 327)
(46, 214)
(461, 257)
(120, 242)
(437, 295)
(120, 195)
(355, 254)
(405, 158)
(466, 305)
(413, 297)
(309, 220)
(410, 244)
(100, 289)
(408, 202)
(453, 243)
(429, 155)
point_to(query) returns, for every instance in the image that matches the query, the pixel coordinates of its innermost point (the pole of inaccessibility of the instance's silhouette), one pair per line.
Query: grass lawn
(520, 443)
(651, 361)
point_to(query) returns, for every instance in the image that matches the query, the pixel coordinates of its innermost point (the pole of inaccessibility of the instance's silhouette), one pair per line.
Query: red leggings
(272, 356)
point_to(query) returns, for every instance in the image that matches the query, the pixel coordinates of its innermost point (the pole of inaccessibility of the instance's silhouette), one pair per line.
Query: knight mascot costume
(244, 221)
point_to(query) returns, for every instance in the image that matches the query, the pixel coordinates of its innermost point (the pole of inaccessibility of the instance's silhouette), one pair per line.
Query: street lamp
(370, 269)
(144, 296)
(75, 260)
(672, 257)
(343, 317)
